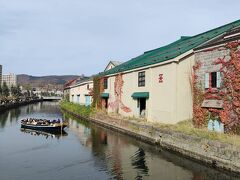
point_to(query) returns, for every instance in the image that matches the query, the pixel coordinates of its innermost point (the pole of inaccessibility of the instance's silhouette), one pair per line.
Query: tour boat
(43, 124)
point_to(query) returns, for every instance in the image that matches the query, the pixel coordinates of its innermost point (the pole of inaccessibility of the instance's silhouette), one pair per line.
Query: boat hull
(44, 128)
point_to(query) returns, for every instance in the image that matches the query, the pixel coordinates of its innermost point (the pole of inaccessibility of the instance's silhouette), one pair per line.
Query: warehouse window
(105, 83)
(141, 79)
(213, 80)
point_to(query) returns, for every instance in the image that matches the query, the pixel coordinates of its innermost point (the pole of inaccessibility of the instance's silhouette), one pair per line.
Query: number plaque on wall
(211, 103)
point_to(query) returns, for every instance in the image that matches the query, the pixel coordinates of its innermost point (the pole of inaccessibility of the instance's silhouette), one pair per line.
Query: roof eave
(80, 84)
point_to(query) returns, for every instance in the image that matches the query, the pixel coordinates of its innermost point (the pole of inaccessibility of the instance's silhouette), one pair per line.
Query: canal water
(85, 151)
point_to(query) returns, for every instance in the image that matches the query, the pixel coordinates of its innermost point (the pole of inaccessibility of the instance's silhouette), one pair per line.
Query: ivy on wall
(200, 114)
(230, 115)
(97, 91)
(117, 103)
(229, 92)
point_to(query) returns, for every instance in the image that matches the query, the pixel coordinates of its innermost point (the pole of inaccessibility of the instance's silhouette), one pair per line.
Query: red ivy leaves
(199, 113)
(230, 92)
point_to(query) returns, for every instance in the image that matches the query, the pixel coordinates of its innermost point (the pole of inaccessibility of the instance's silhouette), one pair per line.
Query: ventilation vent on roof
(184, 37)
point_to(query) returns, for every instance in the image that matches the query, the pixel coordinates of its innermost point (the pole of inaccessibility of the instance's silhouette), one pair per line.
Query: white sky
(46, 37)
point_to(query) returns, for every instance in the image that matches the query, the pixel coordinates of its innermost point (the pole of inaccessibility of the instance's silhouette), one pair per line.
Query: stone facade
(169, 100)
(206, 59)
(80, 93)
(216, 78)
(167, 79)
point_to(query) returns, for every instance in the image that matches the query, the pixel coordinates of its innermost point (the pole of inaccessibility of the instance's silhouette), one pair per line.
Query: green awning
(137, 95)
(105, 95)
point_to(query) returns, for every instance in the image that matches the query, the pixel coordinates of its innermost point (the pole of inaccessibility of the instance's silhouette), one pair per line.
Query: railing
(51, 98)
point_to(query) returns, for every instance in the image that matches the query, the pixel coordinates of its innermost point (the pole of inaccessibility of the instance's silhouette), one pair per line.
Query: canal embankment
(220, 151)
(15, 104)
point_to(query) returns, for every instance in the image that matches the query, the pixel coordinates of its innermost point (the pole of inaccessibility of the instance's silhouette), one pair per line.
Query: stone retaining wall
(213, 153)
(17, 104)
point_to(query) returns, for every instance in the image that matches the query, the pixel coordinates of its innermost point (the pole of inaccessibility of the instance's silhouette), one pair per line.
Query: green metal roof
(105, 95)
(170, 51)
(137, 95)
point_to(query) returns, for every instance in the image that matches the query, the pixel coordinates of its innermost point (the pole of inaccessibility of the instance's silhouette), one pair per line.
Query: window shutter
(219, 80)
(206, 80)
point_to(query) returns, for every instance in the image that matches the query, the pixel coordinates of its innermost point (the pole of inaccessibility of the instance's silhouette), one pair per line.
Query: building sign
(160, 78)
(211, 103)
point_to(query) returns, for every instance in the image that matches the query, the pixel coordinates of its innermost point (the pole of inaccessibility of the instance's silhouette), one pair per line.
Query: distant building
(112, 64)
(0, 74)
(10, 79)
(66, 88)
(81, 92)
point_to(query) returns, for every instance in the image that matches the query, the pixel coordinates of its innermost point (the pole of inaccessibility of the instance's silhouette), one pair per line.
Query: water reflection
(11, 115)
(3, 118)
(125, 158)
(49, 134)
(37, 110)
(87, 151)
(139, 163)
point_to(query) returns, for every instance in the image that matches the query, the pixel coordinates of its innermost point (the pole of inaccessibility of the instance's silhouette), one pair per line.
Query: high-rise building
(10, 79)
(0, 74)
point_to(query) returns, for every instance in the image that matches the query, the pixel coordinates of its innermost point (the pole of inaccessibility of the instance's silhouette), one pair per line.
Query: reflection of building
(10, 79)
(83, 133)
(124, 158)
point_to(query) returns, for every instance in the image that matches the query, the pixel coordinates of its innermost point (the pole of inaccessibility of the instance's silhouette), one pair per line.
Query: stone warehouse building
(217, 81)
(157, 85)
(66, 88)
(81, 92)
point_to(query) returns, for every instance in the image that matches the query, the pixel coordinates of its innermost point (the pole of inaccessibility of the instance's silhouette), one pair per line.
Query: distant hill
(41, 81)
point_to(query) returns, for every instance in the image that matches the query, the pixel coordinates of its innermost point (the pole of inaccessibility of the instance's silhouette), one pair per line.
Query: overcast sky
(46, 37)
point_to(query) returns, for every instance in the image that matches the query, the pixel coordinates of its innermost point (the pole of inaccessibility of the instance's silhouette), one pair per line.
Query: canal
(85, 151)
